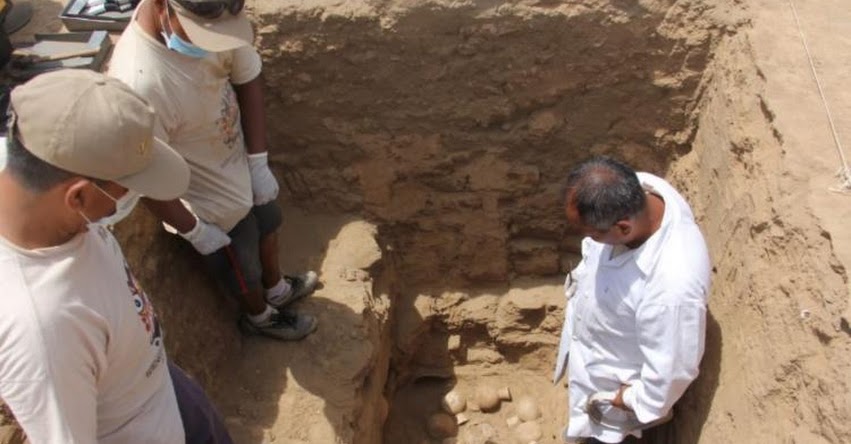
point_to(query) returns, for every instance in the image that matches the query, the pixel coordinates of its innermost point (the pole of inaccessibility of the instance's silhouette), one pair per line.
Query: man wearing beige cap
(193, 61)
(81, 351)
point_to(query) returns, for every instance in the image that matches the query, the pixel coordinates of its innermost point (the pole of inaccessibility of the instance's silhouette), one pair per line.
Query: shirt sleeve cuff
(643, 412)
(628, 397)
(247, 65)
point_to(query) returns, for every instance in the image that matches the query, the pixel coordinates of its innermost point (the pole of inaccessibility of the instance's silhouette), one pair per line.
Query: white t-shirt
(637, 318)
(81, 351)
(199, 116)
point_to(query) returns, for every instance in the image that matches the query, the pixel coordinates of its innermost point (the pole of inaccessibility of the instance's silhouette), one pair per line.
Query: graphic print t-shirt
(81, 350)
(199, 116)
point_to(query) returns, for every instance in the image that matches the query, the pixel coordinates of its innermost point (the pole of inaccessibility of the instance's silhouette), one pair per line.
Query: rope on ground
(844, 173)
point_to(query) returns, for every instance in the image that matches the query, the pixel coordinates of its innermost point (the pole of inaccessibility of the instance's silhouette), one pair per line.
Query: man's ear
(624, 226)
(75, 193)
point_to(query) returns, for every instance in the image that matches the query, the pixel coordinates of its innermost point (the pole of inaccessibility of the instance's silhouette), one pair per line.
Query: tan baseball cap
(96, 126)
(223, 33)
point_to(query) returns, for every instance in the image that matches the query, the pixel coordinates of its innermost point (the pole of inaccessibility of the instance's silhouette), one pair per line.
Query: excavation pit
(450, 127)
(421, 149)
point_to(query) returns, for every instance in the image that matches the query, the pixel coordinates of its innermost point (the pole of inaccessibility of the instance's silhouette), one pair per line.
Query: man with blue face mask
(193, 60)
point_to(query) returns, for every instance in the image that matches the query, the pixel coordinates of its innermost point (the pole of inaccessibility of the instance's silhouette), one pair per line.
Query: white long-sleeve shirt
(638, 318)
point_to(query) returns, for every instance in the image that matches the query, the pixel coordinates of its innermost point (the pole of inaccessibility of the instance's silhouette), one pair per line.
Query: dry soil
(421, 146)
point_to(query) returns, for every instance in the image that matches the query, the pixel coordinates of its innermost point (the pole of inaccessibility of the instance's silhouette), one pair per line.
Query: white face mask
(123, 206)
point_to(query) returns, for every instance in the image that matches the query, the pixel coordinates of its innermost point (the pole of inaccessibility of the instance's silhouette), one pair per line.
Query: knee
(269, 217)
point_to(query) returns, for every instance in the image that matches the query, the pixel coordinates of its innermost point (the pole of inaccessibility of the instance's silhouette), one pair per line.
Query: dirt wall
(777, 351)
(452, 124)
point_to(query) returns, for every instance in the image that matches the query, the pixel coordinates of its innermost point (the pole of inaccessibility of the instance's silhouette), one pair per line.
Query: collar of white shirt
(647, 254)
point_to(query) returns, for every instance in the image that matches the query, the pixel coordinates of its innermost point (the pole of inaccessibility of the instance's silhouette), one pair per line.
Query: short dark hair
(33, 173)
(604, 191)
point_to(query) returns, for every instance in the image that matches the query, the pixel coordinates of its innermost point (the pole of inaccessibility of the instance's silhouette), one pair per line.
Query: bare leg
(269, 259)
(253, 302)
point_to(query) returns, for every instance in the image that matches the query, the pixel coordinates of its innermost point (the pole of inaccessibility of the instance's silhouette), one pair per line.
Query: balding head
(604, 191)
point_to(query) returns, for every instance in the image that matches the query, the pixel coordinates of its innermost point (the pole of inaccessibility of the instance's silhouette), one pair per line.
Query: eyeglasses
(211, 9)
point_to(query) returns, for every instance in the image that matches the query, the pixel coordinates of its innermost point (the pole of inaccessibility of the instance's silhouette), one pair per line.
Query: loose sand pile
(421, 147)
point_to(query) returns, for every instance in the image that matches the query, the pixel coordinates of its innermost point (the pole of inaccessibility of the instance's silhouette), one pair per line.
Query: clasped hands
(597, 400)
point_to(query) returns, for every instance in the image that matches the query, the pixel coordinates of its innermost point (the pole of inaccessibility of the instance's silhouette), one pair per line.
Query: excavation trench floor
(312, 391)
(306, 391)
(415, 403)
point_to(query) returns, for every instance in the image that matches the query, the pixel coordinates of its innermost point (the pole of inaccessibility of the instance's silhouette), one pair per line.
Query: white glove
(206, 238)
(263, 183)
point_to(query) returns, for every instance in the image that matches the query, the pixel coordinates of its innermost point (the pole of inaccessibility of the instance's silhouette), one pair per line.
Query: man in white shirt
(82, 358)
(193, 61)
(635, 319)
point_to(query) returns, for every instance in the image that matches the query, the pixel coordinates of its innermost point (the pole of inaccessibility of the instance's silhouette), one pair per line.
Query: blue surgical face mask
(177, 44)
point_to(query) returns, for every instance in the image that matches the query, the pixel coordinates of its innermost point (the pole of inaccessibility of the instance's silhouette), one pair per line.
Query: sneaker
(283, 325)
(300, 286)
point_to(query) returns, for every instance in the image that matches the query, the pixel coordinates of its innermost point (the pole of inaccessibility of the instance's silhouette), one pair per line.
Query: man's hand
(594, 405)
(618, 400)
(263, 183)
(206, 238)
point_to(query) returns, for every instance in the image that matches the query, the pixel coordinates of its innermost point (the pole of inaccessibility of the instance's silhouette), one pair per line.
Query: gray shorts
(237, 266)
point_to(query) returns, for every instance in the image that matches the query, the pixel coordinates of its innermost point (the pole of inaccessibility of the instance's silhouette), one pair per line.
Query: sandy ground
(811, 154)
(768, 374)
(800, 112)
(45, 20)
(279, 391)
(777, 350)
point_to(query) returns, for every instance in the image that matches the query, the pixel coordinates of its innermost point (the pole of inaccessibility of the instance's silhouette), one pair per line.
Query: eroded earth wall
(777, 356)
(452, 124)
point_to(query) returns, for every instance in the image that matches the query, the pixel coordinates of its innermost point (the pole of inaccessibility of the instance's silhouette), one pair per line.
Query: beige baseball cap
(225, 32)
(96, 126)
